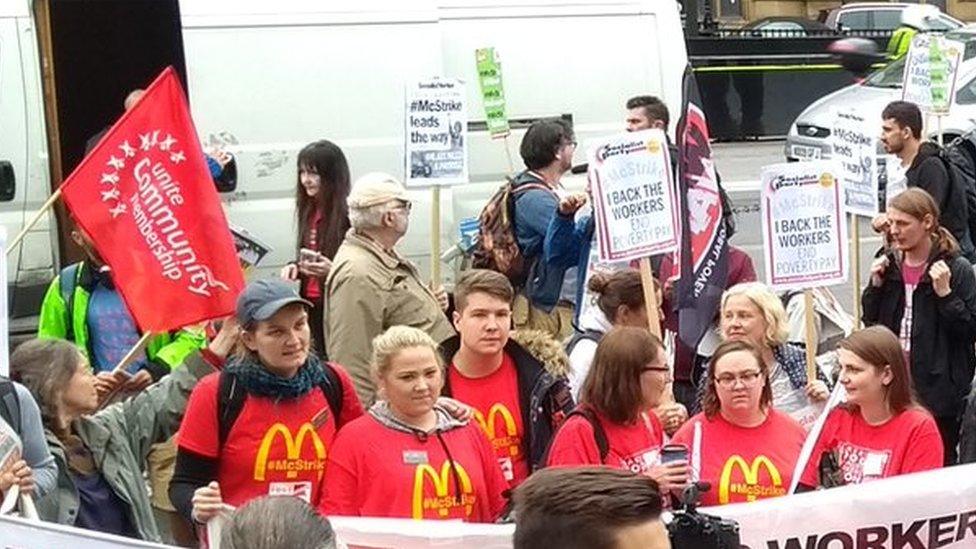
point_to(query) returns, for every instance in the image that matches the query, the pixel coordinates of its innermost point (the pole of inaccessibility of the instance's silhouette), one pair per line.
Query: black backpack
(961, 167)
(230, 399)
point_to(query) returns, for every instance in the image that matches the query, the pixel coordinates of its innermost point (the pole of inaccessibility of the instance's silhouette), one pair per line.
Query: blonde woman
(751, 312)
(408, 457)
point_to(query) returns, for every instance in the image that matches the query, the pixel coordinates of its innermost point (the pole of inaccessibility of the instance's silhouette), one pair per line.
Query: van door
(14, 154)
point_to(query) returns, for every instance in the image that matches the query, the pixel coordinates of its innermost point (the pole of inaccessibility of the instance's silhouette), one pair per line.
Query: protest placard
(633, 195)
(854, 145)
(804, 230)
(492, 92)
(436, 133)
(930, 72)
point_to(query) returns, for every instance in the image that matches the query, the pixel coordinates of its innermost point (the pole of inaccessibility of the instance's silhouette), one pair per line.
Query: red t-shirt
(907, 443)
(274, 447)
(495, 399)
(313, 287)
(744, 463)
(633, 447)
(376, 471)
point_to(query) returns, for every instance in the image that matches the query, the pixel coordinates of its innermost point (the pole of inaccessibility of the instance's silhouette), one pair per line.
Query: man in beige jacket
(372, 287)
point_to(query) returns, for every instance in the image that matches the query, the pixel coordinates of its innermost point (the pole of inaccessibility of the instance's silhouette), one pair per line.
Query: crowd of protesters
(366, 391)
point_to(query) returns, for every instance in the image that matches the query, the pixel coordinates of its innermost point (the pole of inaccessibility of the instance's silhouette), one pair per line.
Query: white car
(807, 138)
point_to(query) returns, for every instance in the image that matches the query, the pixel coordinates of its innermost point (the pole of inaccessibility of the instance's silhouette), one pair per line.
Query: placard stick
(435, 236)
(33, 221)
(650, 296)
(508, 155)
(653, 320)
(856, 264)
(811, 335)
(938, 130)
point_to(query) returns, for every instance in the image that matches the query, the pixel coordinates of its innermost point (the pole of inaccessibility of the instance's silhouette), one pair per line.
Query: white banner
(854, 145)
(804, 229)
(930, 72)
(436, 135)
(18, 533)
(927, 510)
(633, 194)
(920, 511)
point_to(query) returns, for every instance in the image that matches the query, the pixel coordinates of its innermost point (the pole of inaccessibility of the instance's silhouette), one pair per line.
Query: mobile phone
(674, 452)
(309, 256)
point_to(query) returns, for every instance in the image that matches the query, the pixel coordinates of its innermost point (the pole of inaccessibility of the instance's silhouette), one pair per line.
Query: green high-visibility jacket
(59, 320)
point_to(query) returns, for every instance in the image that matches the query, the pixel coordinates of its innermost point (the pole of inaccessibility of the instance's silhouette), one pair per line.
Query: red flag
(145, 197)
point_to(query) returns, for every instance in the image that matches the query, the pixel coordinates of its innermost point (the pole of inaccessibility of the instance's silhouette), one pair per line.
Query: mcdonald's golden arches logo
(750, 488)
(490, 428)
(442, 501)
(293, 462)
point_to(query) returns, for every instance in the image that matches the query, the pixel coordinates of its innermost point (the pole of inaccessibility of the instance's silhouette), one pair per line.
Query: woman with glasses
(881, 431)
(747, 448)
(613, 424)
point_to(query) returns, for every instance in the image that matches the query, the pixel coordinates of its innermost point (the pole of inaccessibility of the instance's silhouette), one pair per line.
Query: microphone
(580, 168)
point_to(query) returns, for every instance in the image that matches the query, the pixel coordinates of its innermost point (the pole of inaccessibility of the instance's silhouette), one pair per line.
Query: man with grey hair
(372, 287)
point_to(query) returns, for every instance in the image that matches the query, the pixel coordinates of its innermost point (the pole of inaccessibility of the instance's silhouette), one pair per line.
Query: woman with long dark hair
(323, 219)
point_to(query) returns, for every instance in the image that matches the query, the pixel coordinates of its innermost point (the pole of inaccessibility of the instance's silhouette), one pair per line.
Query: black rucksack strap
(599, 435)
(10, 407)
(231, 397)
(590, 335)
(67, 282)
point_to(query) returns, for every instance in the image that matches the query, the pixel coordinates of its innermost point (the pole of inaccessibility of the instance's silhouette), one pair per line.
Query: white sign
(804, 230)
(923, 510)
(854, 146)
(633, 194)
(436, 134)
(20, 533)
(930, 72)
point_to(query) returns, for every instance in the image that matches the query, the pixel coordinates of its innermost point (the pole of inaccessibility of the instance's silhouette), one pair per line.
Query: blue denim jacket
(567, 244)
(534, 210)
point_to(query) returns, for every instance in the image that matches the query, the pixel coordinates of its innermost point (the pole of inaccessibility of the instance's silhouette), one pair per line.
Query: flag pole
(33, 221)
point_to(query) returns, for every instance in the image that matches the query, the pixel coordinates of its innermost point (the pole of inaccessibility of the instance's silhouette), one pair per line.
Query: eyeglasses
(748, 379)
(662, 369)
(404, 205)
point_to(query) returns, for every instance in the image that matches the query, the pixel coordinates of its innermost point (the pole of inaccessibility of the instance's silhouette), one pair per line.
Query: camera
(690, 529)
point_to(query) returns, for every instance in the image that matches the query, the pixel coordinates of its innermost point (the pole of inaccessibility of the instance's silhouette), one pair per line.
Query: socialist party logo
(748, 482)
(293, 463)
(156, 205)
(510, 438)
(445, 497)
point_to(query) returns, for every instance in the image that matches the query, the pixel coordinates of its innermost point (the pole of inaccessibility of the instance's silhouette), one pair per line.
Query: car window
(889, 77)
(855, 20)
(966, 95)
(887, 20)
(780, 26)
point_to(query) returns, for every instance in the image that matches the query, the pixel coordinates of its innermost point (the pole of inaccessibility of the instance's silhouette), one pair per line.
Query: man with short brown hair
(517, 401)
(589, 508)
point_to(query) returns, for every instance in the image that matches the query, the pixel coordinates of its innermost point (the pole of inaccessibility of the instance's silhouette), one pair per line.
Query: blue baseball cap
(261, 299)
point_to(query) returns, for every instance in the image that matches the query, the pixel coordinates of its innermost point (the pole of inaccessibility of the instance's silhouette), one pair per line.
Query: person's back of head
(589, 508)
(543, 140)
(277, 522)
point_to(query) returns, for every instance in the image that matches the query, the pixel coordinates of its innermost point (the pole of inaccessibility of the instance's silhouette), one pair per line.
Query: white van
(266, 78)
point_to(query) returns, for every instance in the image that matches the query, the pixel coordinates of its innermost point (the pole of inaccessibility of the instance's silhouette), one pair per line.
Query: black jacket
(928, 172)
(545, 399)
(943, 330)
